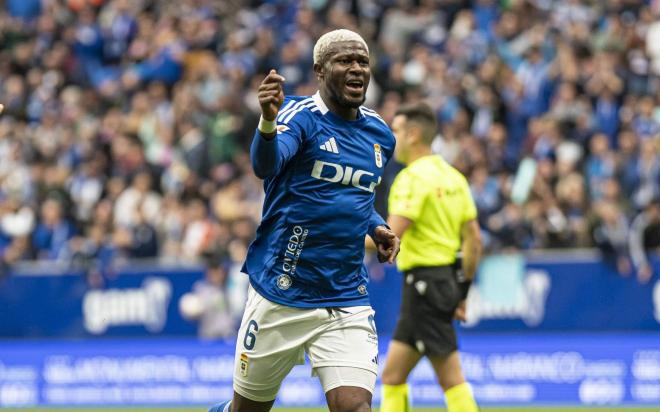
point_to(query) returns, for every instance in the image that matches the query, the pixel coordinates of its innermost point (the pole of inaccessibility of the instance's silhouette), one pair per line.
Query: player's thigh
(270, 342)
(401, 359)
(347, 342)
(349, 399)
(243, 404)
(448, 370)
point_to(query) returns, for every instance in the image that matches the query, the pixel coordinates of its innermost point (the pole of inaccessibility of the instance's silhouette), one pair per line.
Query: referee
(432, 211)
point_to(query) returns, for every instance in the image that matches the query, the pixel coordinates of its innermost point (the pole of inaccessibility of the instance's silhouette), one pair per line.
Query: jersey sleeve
(469, 208)
(406, 196)
(270, 156)
(375, 220)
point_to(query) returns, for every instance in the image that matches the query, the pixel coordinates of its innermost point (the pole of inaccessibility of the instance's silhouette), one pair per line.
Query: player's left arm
(381, 237)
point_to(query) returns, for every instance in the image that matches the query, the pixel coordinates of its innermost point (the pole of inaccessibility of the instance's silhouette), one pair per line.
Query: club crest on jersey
(378, 155)
(284, 282)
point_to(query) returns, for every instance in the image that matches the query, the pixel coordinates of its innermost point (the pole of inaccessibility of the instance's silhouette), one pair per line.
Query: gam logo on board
(526, 301)
(146, 306)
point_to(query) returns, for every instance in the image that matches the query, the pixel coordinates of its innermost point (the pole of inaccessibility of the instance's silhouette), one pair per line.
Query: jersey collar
(320, 103)
(323, 108)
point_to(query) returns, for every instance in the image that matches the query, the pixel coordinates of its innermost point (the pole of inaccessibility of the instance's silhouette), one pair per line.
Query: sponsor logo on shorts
(244, 364)
(284, 282)
(362, 290)
(294, 248)
(377, 155)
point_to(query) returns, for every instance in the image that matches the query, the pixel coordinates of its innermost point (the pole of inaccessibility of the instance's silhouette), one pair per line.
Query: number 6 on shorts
(250, 338)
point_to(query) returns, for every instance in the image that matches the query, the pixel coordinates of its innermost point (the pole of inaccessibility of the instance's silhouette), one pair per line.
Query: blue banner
(568, 292)
(559, 293)
(545, 292)
(134, 302)
(512, 369)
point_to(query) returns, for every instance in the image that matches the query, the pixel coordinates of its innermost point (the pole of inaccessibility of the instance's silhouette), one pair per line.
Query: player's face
(400, 133)
(346, 73)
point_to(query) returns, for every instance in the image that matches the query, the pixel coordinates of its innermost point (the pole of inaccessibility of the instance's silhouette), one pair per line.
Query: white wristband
(267, 126)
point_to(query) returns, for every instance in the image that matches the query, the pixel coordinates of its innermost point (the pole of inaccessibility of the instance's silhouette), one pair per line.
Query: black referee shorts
(430, 298)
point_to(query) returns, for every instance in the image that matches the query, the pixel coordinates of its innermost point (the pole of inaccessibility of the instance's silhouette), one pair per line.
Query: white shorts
(342, 346)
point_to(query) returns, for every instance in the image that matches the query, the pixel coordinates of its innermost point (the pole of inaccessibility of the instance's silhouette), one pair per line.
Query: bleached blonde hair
(324, 42)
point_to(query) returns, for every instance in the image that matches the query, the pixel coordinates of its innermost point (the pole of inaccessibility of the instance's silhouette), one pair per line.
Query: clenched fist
(271, 95)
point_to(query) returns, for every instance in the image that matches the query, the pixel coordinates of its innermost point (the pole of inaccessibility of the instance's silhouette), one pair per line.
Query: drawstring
(332, 314)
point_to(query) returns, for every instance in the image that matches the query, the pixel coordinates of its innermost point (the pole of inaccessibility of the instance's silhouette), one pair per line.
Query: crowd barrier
(561, 328)
(539, 292)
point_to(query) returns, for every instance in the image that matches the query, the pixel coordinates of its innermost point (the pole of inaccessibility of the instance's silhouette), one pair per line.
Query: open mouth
(355, 85)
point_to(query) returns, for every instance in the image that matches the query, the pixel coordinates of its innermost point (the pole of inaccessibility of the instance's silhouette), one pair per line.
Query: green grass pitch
(511, 409)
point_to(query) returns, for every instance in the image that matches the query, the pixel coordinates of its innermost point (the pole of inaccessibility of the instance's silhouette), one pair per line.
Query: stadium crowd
(127, 123)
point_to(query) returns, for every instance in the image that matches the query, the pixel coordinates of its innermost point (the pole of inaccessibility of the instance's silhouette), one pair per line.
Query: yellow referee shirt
(436, 198)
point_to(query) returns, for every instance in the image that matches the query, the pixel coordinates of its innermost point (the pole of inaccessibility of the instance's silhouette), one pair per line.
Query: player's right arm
(270, 150)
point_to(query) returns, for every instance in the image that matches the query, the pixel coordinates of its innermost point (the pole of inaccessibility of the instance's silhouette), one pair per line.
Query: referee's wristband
(464, 288)
(267, 126)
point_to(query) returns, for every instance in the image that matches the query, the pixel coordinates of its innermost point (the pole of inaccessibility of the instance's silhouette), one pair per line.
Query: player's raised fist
(271, 95)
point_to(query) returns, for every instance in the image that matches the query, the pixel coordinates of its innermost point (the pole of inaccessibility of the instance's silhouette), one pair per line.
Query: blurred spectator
(645, 237)
(24, 9)
(127, 123)
(486, 194)
(600, 165)
(208, 303)
(137, 202)
(52, 232)
(645, 174)
(198, 231)
(610, 233)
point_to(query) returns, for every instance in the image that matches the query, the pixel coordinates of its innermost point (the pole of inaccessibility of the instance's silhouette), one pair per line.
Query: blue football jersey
(319, 172)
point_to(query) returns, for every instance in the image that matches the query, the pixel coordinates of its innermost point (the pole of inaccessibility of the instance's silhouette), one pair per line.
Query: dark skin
(343, 76)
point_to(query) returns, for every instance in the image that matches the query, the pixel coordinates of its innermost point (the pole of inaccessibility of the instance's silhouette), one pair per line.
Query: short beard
(350, 103)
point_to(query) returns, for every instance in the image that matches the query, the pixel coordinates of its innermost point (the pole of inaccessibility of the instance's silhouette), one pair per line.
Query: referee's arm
(398, 224)
(471, 237)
